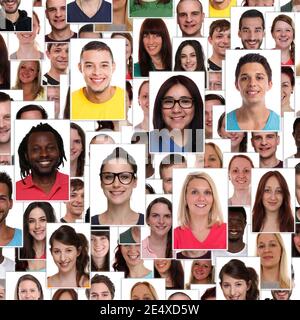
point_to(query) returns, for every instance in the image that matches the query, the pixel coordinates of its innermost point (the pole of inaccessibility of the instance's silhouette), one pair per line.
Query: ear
(113, 67)
(11, 203)
(48, 54)
(236, 85)
(278, 140)
(80, 67)
(79, 251)
(239, 34)
(210, 40)
(134, 183)
(270, 84)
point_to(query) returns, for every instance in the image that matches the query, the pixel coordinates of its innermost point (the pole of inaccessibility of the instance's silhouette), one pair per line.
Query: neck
(5, 147)
(285, 54)
(119, 16)
(44, 182)
(138, 271)
(270, 274)
(73, 168)
(270, 162)
(55, 74)
(67, 277)
(254, 109)
(118, 214)
(13, 17)
(158, 241)
(217, 59)
(27, 51)
(71, 218)
(62, 34)
(39, 248)
(99, 262)
(156, 60)
(199, 223)
(241, 197)
(236, 246)
(235, 148)
(100, 97)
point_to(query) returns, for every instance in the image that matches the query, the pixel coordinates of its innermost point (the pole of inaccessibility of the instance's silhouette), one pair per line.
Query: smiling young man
(56, 15)
(190, 17)
(41, 152)
(74, 207)
(9, 237)
(98, 100)
(58, 54)
(265, 143)
(219, 39)
(16, 20)
(252, 29)
(5, 123)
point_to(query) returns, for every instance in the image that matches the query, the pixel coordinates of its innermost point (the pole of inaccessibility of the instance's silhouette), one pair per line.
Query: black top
(22, 24)
(95, 220)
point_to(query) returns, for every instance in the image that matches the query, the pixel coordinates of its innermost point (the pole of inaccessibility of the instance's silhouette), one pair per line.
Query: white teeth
(200, 205)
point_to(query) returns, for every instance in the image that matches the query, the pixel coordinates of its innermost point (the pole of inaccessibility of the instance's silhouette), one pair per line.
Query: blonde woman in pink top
(200, 216)
(159, 219)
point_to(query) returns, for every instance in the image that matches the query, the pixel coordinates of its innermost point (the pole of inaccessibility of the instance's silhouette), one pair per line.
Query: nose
(177, 107)
(252, 81)
(43, 152)
(37, 225)
(116, 182)
(263, 141)
(58, 12)
(232, 291)
(188, 17)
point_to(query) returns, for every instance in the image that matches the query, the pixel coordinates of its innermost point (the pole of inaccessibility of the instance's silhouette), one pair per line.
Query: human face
(100, 291)
(234, 289)
(220, 42)
(297, 177)
(56, 14)
(28, 71)
(236, 226)
(59, 57)
(141, 292)
(240, 173)
(97, 69)
(5, 203)
(211, 159)
(283, 35)
(188, 58)
(269, 250)
(5, 122)
(286, 89)
(281, 294)
(28, 290)
(64, 256)
(144, 98)
(42, 153)
(162, 266)
(100, 246)
(152, 43)
(118, 193)
(37, 222)
(296, 135)
(296, 240)
(253, 83)
(177, 117)
(76, 145)
(29, 37)
(160, 219)
(76, 204)
(190, 18)
(10, 6)
(32, 114)
(252, 33)
(132, 255)
(53, 95)
(260, 3)
(201, 270)
(167, 176)
(215, 80)
(265, 144)
(199, 197)
(208, 115)
(235, 137)
(273, 197)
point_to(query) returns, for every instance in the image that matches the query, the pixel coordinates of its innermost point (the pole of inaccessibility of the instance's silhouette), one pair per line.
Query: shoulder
(78, 94)
(231, 120)
(95, 220)
(140, 219)
(273, 122)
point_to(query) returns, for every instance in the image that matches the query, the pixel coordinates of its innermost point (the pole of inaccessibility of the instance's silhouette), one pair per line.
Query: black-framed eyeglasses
(184, 102)
(124, 177)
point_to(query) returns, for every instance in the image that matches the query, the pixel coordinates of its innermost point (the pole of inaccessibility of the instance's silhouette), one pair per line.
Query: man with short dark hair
(99, 100)
(58, 54)
(32, 111)
(9, 237)
(252, 29)
(41, 152)
(74, 207)
(16, 20)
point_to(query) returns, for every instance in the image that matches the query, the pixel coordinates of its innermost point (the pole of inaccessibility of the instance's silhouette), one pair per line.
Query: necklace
(98, 7)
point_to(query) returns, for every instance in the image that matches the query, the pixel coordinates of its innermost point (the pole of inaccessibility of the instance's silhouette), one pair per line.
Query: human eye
(260, 77)
(55, 251)
(247, 170)
(168, 102)
(104, 65)
(267, 190)
(182, 14)
(125, 177)
(194, 192)
(207, 192)
(212, 158)
(235, 170)
(30, 221)
(278, 191)
(243, 78)
(88, 65)
(183, 56)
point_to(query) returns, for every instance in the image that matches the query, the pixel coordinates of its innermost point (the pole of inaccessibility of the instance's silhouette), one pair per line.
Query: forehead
(3, 189)
(5, 107)
(188, 48)
(55, 3)
(235, 215)
(59, 47)
(27, 283)
(272, 180)
(36, 212)
(160, 207)
(266, 238)
(252, 22)
(40, 136)
(29, 64)
(141, 288)
(198, 182)
(240, 161)
(96, 56)
(252, 67)
(99, 287)
(188, 6)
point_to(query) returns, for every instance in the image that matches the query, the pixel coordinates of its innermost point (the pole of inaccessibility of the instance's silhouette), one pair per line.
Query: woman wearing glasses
(118, 175)
(177, 117)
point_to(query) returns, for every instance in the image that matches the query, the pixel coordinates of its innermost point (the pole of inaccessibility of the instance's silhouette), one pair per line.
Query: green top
(151, 9)
(126, 237)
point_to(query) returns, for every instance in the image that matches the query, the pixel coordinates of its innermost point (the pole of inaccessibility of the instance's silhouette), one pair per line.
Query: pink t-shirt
(146, 250)
(216, 239)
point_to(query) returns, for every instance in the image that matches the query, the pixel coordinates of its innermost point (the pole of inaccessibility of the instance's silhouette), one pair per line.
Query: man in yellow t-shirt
(220, 8)
(98, 100)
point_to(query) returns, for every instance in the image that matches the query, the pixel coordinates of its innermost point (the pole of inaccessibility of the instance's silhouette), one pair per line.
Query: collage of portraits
(149, 150)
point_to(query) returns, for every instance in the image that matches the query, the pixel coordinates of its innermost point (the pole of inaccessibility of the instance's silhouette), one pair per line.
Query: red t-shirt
(216, 239)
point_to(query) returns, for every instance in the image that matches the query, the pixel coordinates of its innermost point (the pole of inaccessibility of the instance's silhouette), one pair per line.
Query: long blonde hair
(284, 279)
(37, 88)
(215, 214)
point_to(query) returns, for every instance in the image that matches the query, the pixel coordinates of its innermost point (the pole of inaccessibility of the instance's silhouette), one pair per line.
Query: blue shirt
(75, 14)
(273, 123)
(16, 241)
